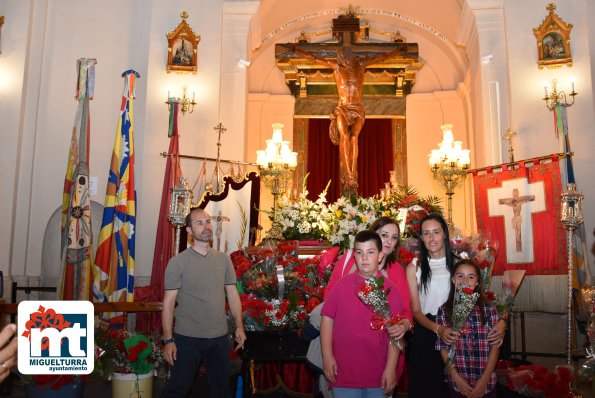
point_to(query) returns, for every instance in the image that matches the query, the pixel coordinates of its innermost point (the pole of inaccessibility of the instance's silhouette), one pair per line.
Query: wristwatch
(165, 342)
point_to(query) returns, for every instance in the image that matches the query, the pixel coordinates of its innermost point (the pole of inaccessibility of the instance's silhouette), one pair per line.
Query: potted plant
(128, 359)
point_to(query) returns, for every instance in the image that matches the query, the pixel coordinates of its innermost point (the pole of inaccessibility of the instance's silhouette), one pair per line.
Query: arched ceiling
(433, 28)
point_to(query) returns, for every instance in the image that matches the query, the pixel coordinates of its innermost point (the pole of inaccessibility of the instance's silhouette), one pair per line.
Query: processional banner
(77, 234)
(519, 208)
(114, 262)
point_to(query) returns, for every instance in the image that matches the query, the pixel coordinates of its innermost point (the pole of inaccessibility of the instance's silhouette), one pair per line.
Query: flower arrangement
(304, 219)
(277, 289)
(464, 301)
(354, 214)
(412, 208)
(373, 295)
(120, 351)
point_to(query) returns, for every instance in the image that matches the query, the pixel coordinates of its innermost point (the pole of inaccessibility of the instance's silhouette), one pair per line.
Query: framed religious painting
(553, 40)
(182, 48)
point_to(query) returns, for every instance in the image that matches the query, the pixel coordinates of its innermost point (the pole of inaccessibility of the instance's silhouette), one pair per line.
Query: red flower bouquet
(464, 301)
(373, 295)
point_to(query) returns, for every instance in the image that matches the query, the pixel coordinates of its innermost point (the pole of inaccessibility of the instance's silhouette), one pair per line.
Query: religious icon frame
(553, 40)
(182, 48)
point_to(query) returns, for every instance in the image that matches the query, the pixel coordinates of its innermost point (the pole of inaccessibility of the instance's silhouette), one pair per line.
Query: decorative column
(571, 217)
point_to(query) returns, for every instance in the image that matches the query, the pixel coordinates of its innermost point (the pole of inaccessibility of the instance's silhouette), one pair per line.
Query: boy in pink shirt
(358, 360)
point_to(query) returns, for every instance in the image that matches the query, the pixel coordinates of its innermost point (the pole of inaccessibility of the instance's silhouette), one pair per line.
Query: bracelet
(436, 331)
(167, 341)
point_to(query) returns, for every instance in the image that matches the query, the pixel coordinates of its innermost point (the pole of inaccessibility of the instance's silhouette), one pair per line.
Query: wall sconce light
(187, 104)
(557, 98)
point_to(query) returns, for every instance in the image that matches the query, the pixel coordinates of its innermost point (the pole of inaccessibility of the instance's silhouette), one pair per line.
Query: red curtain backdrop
(549, 249)
(374, 162)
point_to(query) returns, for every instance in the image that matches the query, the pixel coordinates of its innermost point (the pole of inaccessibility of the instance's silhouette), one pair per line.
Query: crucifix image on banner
(517, 200)
(218, 221)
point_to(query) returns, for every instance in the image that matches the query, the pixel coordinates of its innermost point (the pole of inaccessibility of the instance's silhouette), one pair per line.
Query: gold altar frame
(182, 48)
(553, 41)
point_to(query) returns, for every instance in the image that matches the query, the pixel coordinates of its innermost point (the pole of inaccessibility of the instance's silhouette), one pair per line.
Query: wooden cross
(344, 30)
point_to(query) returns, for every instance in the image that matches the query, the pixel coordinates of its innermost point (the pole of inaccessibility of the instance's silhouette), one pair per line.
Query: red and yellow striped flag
(114, 263)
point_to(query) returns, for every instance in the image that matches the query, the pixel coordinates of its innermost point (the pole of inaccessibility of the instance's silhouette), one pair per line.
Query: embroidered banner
(77, 234)
(520, 209)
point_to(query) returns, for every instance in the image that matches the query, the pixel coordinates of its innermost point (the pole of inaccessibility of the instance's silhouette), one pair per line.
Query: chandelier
(276, 163)
(449, 164)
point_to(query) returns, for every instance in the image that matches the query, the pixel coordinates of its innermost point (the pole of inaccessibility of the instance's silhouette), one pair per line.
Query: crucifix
(219, 127)
(508, 136)
(219, 219)
(516, 202)
(348, 60)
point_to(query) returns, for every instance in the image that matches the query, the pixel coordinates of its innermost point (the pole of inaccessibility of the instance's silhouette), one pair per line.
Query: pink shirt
(395, 273)
(359, 350)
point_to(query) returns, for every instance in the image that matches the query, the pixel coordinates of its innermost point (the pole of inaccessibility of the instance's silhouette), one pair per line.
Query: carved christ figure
(347, 119)
(516, 202)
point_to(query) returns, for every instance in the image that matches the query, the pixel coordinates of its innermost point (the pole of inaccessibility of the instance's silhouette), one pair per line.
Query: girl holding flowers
(470, 368)
(429, 285)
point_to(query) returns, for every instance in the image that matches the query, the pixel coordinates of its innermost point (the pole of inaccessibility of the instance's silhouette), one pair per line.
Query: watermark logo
(56, 337)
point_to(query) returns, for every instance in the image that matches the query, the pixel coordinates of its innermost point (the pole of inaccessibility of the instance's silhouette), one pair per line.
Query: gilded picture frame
(182, 48)
(553, 41)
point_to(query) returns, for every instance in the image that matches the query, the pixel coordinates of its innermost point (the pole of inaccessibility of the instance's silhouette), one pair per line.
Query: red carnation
(467, 290)
(490, 296)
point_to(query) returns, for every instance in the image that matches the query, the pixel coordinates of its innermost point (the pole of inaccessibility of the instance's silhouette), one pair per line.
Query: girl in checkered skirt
(472, 373)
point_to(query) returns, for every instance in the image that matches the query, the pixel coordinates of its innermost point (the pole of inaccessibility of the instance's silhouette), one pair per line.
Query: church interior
(224, 74)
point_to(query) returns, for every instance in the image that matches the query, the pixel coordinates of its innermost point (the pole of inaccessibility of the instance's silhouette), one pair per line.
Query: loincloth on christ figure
(350, 113)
